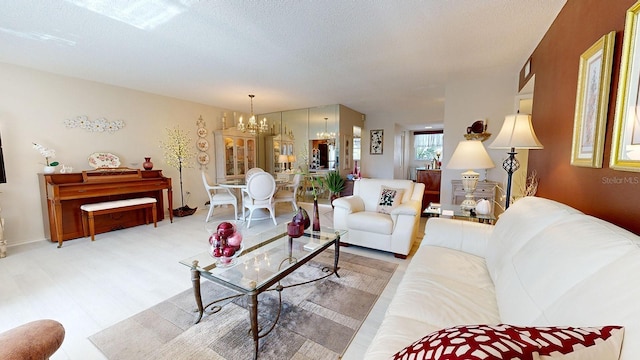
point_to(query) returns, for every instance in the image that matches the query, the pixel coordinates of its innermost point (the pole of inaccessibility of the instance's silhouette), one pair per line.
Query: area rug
(318, 320)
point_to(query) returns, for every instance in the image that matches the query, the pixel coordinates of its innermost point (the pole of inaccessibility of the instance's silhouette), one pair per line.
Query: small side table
(455, 212)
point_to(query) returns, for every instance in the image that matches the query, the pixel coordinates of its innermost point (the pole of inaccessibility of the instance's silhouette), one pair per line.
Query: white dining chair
(259, 195)
(252, 171)
(218, 195)
(289, 192)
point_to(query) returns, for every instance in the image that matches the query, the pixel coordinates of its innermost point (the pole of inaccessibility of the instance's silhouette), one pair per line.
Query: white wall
(378, 166)
(33, 108)
(488, 95)
(483, 95)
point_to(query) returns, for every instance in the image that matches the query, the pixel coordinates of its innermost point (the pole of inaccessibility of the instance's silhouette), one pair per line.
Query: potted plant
(49, 167)
(335, 184)
(178, 154)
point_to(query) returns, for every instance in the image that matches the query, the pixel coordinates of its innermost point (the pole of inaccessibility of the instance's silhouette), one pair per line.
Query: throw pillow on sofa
(514, 342)
(389, 199)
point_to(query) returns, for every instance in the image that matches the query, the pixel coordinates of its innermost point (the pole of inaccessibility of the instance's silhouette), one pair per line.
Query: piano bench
(116, 206)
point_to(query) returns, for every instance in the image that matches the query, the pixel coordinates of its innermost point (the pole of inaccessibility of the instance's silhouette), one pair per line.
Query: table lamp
(516, 133)
(292, 160)
(470, 154)
(283, 159)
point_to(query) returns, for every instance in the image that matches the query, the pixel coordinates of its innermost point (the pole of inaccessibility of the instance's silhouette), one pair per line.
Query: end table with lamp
(470, 154)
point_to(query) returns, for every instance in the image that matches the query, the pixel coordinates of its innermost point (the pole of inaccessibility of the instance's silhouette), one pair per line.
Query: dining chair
(252, 171)
(218, 195)
(289, 192)
(259, 195)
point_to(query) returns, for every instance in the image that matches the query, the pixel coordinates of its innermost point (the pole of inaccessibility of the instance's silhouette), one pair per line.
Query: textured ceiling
(387, 58)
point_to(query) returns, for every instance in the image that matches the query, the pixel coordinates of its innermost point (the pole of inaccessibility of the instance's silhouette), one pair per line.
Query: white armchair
(218, 196)
(394, 232)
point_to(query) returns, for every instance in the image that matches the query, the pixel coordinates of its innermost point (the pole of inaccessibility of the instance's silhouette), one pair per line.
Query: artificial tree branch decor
(178, 153)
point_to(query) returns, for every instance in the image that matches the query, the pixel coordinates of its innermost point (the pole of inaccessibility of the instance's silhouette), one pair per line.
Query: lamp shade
(283, 159)
(517, 132)
(292, 158)
(470, 154)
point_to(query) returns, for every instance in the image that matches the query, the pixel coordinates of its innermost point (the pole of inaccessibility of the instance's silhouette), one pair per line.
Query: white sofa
(542, 264)
(394, 232)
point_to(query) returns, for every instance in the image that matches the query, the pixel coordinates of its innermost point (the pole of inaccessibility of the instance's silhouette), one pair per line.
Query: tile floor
(89, 286)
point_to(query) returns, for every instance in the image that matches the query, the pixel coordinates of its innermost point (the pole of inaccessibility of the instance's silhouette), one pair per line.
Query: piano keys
(63, 194)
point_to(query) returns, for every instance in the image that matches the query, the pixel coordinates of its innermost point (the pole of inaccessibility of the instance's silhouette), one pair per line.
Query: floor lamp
(516, 133)
(470, 154)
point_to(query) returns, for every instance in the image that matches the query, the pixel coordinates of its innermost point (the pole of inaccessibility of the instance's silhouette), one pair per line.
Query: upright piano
(63, 194)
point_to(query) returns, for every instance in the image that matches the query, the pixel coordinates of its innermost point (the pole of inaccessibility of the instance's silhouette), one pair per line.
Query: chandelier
(253, 126)
(325, 135)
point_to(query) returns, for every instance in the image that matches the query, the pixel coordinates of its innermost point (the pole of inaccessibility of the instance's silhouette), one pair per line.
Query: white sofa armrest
(344, 206)
(349, 203)
(467, 236)
(411, 207)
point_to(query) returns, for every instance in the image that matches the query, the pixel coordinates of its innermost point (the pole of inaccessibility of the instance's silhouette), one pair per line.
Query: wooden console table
(431, 180)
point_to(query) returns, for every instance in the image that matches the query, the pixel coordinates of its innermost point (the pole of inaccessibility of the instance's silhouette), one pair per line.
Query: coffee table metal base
(252, 303)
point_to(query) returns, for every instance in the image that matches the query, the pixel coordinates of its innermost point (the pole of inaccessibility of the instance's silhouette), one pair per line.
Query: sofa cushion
(516, 226)
(558, 258)
(441, 287)
(609, 293)
(371, 222)
(514, 342)
(389, 199)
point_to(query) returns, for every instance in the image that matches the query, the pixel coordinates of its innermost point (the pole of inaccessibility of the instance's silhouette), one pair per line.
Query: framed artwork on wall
(346, 161)
(376, 142)
(592, 103)
(625, 145)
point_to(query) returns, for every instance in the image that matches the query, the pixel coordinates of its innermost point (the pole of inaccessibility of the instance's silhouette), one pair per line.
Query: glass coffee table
(265, 259)
(454, 211)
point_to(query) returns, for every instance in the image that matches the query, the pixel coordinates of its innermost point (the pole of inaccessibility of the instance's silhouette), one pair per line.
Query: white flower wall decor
(98, 125)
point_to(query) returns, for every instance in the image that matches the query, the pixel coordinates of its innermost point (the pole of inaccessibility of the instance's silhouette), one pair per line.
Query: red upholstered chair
(35, 340)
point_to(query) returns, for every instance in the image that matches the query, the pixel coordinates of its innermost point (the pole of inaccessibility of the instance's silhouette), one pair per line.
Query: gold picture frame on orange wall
(625, 144)
(592, 103)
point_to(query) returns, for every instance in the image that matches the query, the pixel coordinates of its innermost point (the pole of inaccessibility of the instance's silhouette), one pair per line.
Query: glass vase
(316, 216)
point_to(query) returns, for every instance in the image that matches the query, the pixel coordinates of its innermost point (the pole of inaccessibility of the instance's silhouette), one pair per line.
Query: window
(427, 144)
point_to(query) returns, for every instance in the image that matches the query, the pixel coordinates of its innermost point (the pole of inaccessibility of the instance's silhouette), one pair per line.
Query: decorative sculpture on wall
(202, 143)
(477, 131)
(98, 125)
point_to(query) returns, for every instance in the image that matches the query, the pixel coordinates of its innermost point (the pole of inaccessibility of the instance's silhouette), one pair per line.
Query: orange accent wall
(611, 195)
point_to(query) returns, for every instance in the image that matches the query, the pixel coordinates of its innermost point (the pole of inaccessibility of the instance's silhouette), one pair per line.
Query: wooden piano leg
(57, 209)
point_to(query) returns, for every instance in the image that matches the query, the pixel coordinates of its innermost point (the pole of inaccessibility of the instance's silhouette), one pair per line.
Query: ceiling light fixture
(325, 135)
(253, 126)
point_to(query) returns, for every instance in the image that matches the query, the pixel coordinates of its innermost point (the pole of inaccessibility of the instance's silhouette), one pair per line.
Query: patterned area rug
(318, 320)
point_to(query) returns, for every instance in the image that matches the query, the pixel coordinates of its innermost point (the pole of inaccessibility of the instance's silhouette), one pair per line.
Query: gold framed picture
(592, 103)
(625, 145)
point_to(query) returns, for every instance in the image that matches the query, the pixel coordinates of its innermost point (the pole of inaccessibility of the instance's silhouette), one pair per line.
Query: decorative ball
(483, 207)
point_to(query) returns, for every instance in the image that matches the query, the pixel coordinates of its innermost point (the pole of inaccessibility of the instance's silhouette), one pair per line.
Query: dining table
(238, 186)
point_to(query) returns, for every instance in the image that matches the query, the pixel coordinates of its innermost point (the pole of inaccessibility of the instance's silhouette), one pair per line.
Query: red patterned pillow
(559, 342)
(512, 342)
